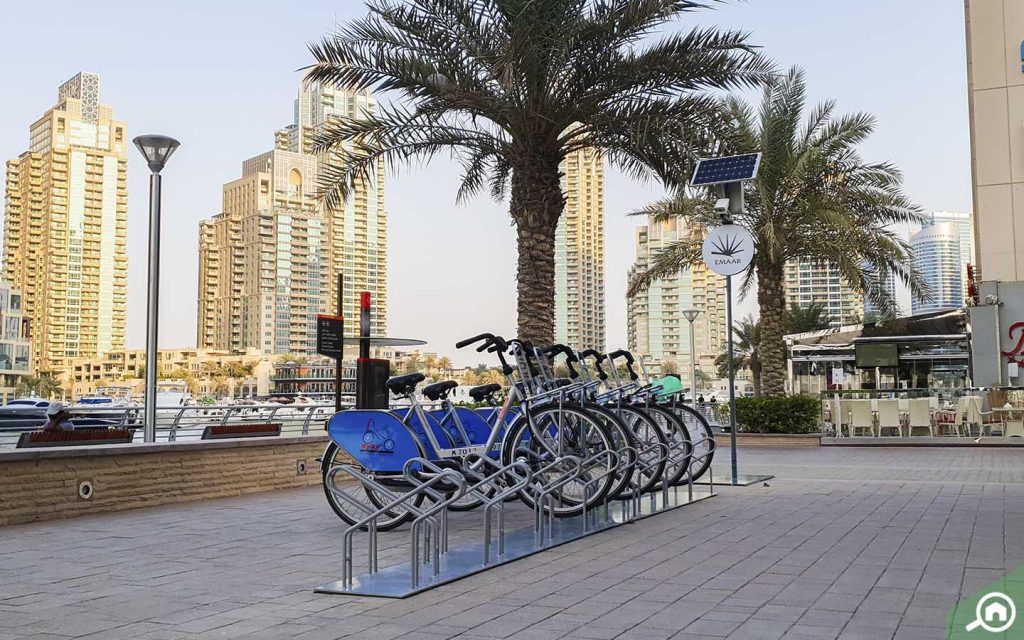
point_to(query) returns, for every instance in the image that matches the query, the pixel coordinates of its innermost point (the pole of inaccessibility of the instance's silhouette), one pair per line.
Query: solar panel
(712, 171)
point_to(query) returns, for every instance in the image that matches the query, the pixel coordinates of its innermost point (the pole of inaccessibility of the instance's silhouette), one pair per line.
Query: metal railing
(183, 422)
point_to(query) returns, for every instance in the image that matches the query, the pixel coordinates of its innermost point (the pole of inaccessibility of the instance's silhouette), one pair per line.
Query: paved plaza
(844, 543)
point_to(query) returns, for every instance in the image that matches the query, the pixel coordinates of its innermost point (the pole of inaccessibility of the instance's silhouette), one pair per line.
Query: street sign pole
(728, 251)
(732, 378)
(337, 361)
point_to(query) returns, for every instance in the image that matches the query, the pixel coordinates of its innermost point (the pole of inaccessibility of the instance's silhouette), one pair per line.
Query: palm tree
(429, 364)
(746, 346)
(814, 199)
(511, 87)
(45, 385)
(412, 362)
(814, 317)
(444, 363)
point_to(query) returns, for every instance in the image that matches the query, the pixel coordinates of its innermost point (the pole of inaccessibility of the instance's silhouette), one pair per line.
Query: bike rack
(495, 483)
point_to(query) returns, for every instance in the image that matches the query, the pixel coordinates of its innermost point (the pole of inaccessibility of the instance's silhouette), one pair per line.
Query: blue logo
(378, 441)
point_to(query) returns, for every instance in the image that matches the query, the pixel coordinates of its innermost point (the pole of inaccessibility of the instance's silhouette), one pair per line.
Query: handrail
(178, 422)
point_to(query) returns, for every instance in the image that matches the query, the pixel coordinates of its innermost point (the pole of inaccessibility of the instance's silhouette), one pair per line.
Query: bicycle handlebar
(598, 356)
(622, 353)
(468, 341)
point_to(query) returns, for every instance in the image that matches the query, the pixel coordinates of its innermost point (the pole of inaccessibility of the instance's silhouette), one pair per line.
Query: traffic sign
(728, 249)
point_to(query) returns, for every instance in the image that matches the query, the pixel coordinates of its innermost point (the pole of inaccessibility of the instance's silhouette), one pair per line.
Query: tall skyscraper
(65, 227)
(964, 223)
(579, 253)
(815, 281)
(937, 255)
(269, 261)
(656, 328)
(357, 234)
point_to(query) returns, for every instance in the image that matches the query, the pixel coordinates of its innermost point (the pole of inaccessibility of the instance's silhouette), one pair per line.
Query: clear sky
(220, 75)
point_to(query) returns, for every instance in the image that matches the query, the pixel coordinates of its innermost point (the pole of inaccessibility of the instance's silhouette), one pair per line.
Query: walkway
(845, 543)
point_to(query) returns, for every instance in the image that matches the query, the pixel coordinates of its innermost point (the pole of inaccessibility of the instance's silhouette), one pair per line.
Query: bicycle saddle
(439, 390)
(481, 392)
(404, 385)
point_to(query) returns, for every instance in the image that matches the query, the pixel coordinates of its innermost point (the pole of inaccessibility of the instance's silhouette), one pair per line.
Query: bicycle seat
(481, 392)
(404, 385)
(439, 390)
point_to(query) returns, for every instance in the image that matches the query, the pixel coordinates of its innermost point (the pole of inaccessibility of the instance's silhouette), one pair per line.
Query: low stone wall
(771, 440)
(47, 484)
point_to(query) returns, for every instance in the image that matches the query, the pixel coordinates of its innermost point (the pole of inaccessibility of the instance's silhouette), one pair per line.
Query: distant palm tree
(814, 198)
(746, 352)
(429, 364)
(511, 87)
(412, 363)
(45, 385)
(444, 363)
(813, 317)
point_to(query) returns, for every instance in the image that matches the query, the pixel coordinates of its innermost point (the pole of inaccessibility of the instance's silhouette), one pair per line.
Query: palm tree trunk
(536, 205)
(771, 298)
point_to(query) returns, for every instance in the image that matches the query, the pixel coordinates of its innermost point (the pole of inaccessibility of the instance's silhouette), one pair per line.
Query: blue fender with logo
(376, 439)
(413, 421)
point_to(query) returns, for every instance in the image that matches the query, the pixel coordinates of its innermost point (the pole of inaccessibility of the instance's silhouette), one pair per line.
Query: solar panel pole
(732, 380)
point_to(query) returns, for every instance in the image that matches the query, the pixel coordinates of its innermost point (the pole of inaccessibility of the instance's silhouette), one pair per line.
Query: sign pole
(341, 351)
(732, 378)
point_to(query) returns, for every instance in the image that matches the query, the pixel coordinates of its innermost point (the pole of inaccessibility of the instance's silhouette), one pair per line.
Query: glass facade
(937, 256)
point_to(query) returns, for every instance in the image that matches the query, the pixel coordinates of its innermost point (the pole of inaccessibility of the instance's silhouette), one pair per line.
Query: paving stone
(845, 543)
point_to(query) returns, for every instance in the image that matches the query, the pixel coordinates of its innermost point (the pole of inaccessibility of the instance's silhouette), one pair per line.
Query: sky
(221, 76)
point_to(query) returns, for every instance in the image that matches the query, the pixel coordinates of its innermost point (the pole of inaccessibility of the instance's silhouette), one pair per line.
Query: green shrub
(790, 414)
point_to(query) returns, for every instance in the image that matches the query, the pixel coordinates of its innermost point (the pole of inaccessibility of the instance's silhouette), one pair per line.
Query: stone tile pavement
(845, 543)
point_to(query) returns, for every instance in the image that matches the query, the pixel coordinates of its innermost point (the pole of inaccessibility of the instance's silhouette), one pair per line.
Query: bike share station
(582, 455)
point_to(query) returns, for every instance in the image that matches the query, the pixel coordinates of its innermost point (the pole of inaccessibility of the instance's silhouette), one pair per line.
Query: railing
(184, 422)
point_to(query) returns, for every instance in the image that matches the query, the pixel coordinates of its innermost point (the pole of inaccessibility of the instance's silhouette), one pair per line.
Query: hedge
(790, 414)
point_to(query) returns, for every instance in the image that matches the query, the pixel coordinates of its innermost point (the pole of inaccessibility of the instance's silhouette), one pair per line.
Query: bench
(218, 431)
(77, 438)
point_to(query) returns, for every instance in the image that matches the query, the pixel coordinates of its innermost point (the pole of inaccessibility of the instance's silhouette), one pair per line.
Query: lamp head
(691, 314)
(156, 149)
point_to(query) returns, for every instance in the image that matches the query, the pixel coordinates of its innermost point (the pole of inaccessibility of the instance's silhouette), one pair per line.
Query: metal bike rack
(494, 484)
(370, 521)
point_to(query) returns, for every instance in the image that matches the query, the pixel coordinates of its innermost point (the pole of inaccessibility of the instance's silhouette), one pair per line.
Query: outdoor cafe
(909, 378)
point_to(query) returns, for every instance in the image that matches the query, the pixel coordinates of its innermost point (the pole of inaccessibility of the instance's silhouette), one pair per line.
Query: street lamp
(691, 316)
(157, 150)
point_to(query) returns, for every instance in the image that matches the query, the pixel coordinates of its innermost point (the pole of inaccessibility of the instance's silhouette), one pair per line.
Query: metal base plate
(742, 480)
(396, 581)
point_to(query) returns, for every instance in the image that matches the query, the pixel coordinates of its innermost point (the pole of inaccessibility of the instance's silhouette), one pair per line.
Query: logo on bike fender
(377, 441)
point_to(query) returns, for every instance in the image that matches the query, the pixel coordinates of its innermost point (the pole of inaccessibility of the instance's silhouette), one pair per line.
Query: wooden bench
(77, 438)
(218, 431)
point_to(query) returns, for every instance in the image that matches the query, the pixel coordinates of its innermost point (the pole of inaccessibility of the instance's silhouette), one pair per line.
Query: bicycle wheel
(650, 468)
(681, 449)
(333, 456)
(702, 438)
(621, 437)
(544, 433)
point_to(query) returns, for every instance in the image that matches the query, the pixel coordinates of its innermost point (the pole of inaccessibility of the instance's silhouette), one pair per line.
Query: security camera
(722, 206)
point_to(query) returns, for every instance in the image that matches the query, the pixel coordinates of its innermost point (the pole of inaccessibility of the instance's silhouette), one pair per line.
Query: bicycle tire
(702, 438)
(387, 522)
(621, 437)
(678, 439)
(577, 421)
(646, 433)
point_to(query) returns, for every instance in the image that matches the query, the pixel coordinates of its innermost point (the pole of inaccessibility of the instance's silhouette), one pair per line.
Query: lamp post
(691, 316)
(157, 150)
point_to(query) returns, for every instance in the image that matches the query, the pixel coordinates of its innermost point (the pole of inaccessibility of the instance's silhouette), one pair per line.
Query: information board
(330, 332)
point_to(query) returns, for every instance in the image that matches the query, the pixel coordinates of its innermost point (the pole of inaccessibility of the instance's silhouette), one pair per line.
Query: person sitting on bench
(58, 415)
